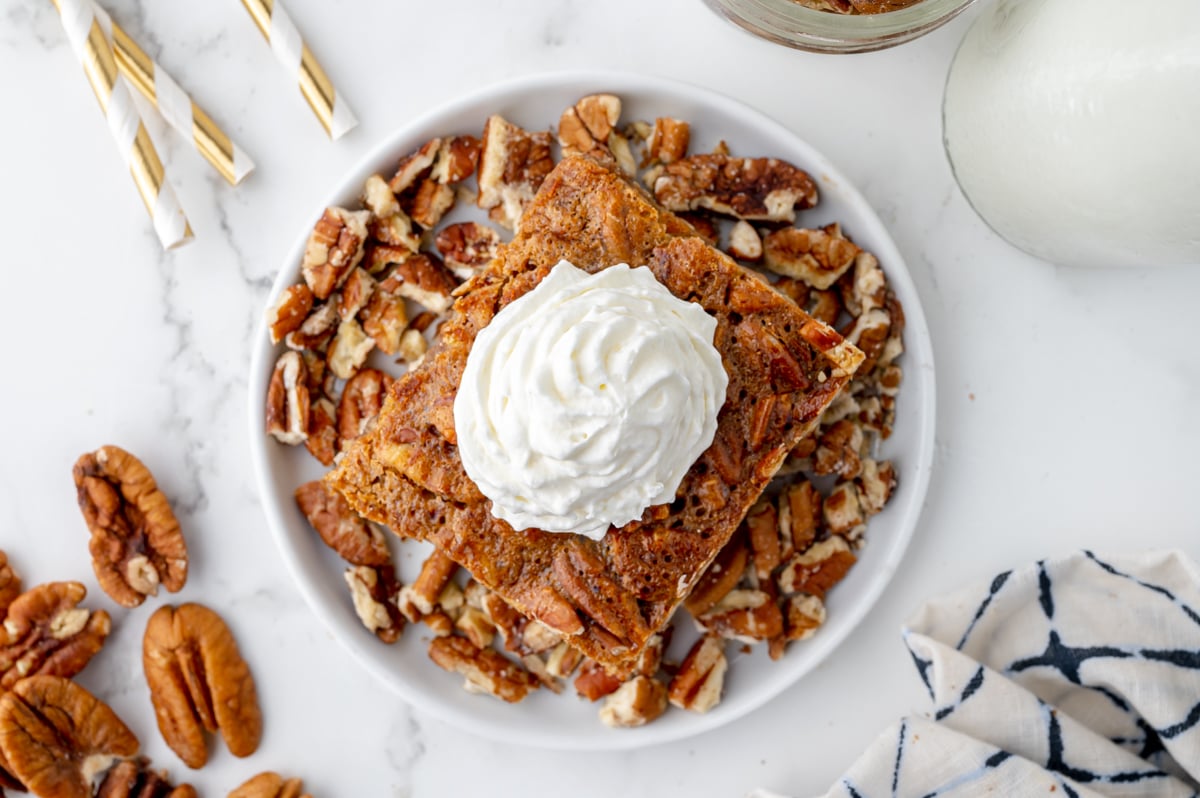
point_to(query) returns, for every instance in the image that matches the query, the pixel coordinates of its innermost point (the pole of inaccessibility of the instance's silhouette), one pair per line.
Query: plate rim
(918, 345)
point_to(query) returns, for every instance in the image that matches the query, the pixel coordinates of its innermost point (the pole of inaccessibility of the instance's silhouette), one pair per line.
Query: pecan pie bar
(608, 596)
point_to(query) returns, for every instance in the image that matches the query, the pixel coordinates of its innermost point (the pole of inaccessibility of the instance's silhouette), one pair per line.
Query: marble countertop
(1067, 398)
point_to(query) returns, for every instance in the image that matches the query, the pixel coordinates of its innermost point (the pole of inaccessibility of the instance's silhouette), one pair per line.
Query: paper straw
(94, 52)
(291, 51)
(176, 107)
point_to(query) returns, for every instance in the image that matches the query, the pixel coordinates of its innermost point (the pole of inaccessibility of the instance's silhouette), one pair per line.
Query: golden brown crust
(610, 595)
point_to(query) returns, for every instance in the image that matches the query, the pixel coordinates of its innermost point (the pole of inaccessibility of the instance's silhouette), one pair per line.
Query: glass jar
(1072, 128)
(789, 23)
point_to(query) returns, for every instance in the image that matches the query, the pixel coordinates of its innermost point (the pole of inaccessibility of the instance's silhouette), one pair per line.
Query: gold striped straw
(291, 51)
(95, 53)
(176, 107)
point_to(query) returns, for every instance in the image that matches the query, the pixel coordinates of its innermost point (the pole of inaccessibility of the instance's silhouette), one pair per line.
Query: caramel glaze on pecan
(198, 681)
(47, 632)
(56, 736)
(136, 542)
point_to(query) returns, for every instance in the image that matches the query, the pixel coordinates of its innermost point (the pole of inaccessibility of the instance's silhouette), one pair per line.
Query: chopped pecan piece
(413, 347)
(745, 242)
(593, 682)
(10, 584)
(384, 319)
(57, 737)
(377, 196)
(46, 631)
(843, 511)
(362, 398)
(720, 578)
(839, 450)
(467, 247)
(430, 203)
(415, 166)
(354, 539)
(763, 189)
(804, 615)
(334, 248)
(563, 661)
(866, 287)
(436, 573)
(456, 159)
(133, 778)
(316, 330)
(424, 279)
(875, 485)
(136, 543)
(762, 523)
(485, 670)
(269, 784)
(478, 628)
(870, 333)
(818, 569)
(389, 234)
(586, 126)
(746, 615)
(373, 591)
(290, 311)
(635, 703)
(698, 684)
(825, 306)
(349, 349)
(355, 293)
(818, 257)
(512, 165)
(198, 680)
(668, 140)
(288, 400)
(801, 504)
(508, 621)
(322, 440)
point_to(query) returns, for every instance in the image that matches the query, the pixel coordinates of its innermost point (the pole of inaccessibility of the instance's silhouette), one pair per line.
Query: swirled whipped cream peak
(587, 400)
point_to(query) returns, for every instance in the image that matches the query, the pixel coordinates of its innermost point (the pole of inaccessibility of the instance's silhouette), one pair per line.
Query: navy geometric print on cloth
(1077, 677)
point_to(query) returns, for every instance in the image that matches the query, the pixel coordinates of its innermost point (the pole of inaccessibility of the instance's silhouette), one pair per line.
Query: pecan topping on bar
(56, 737)
(47, 632)
(136, 543)
(765, 189)
(198, 681)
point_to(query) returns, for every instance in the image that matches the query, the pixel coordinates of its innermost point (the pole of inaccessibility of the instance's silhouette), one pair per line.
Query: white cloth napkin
(1078, 676)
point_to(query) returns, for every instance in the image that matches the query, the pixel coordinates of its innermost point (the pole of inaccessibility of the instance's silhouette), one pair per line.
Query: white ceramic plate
(564, 721)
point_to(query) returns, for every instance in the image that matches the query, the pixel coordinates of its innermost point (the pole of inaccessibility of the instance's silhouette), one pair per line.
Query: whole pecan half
(56, 736)
(342, 529)
(198, 680)
(136, 542)
(133, 778)
(269, 784)
(10, 584)
(47, 632)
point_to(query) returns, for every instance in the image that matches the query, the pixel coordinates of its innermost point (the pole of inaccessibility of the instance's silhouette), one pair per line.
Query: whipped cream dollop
(586, 400)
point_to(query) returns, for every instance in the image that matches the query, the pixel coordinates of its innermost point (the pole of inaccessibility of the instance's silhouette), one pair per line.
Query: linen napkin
(1078, 676)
